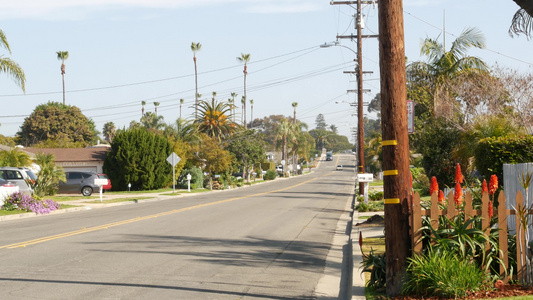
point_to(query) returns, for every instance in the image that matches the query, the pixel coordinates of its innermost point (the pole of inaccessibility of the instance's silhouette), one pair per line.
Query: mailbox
(100, 182)
(365, 177)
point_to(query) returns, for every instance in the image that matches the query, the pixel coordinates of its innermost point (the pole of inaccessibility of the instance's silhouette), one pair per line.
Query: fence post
(502, 236)
(520, 238)
(417, 224)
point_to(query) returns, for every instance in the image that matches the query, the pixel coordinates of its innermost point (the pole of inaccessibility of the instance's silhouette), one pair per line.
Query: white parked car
(19, 176)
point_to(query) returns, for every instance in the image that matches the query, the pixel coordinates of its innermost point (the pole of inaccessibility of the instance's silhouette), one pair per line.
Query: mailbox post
(365, 178)
(189, 182)
(100, 182)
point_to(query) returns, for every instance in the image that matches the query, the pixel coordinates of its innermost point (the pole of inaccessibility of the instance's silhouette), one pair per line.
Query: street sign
(410, 116)
(173, 159)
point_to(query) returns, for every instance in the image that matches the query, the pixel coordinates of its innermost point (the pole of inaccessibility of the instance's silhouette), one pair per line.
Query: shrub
(375, 195)
(376, 266)
(443, 274)
(270, 175)
(362, 207)
(138, 156)
(492, 153)
(197, 178)
(19, 201)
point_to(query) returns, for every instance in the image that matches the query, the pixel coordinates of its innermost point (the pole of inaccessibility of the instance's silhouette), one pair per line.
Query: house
(76, 159)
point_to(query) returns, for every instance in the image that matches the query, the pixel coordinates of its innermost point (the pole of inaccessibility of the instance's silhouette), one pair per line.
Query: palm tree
(143, 103)
(109, 131)
(62, 56)
(214, 95)
(285, 132)
(195, 47)
(156, 104)
(181, 103)
(9, 66)
(214, 119)
(233, 95)
(244, 58)
(251, 112)
(14, 158)
(184, 130)
(294, 105)
(243, 102)
(152, 121)
(443, 66)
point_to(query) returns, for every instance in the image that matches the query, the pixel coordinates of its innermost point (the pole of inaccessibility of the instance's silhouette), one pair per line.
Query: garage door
(82, 169)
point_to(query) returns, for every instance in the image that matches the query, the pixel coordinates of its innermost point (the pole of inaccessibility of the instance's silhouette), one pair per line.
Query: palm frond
(3, 41)
(522, 23)
(14, 71)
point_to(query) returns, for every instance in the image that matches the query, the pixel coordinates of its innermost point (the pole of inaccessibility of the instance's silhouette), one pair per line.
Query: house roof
(7, 148)
(73, 154)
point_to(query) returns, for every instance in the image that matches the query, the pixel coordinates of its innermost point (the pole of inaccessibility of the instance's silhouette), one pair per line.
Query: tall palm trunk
(196, 89)
(63, 79)
(244, 105)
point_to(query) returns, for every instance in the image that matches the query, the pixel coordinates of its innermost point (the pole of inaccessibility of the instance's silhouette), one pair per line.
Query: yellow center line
(137, 219)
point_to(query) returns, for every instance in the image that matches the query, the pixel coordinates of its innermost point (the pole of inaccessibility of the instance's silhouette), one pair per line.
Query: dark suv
(78, 181)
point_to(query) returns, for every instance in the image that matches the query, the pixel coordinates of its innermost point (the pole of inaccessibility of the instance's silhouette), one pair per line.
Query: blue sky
(123, 52)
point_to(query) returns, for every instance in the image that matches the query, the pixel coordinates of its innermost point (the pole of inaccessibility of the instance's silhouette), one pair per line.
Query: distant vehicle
(81, 182)
(329, 156)
(339, 167)
(18, 177)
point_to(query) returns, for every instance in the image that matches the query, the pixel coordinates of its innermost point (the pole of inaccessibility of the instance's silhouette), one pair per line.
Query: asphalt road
(269, 241)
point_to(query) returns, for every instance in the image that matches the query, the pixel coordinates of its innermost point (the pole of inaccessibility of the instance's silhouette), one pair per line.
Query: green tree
(212, 156)
(247, 148)
(62, 56)
(138, 156)
(7, 141)
(438, 143)
(10, 67)
(109, 131)
(183, 130)
(214, 119)
(320, 122)
(59, 125)
(14, 158)
(245, 59)
(195, 47)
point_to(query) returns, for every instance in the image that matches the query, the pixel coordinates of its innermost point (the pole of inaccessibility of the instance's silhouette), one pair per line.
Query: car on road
(329, 156)
(19, 177)
(339, 167)
(82, 182)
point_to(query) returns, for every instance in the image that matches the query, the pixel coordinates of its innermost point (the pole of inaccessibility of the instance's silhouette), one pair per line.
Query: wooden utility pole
(360, 117)
(359, 73)
(396, 181)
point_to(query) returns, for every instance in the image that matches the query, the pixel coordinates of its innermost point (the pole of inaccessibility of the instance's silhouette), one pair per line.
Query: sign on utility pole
(173, 159)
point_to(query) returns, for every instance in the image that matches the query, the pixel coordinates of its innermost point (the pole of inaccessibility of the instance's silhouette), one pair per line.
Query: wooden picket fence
(501, 212)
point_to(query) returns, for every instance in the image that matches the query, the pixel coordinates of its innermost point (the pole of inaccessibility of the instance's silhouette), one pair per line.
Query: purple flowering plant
(20, 201)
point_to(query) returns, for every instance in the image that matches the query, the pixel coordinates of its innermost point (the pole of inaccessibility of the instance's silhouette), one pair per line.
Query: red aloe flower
(491, 210)
(441, 197)
(458, 175)
(458, 197)
(493, 184)
(434, 187)
(484, 188)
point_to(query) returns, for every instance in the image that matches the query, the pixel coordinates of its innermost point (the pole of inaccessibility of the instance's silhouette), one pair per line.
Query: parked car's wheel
(87, 191)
